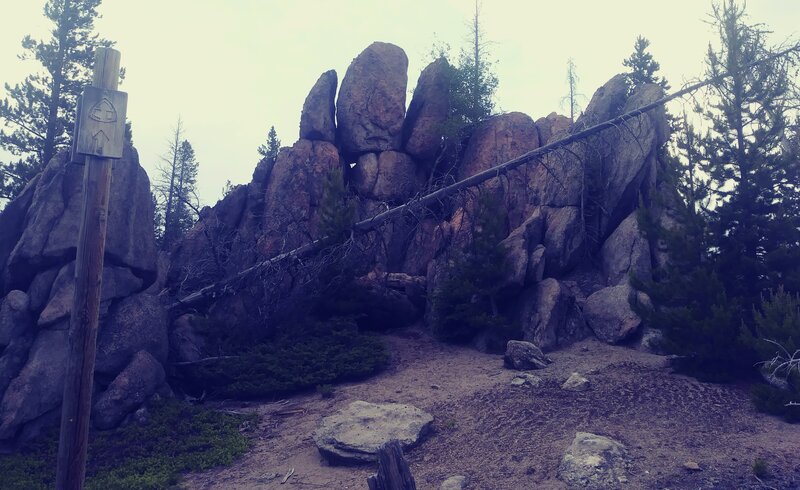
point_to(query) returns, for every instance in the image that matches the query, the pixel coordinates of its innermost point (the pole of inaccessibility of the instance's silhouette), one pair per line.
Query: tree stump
(393, 471)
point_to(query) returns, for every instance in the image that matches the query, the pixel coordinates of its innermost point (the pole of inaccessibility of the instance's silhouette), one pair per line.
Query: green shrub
(178, 438)
(775, 401)
(314, 354)
(466, 303)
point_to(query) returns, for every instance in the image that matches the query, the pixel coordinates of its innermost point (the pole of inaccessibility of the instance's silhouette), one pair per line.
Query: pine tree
(472, 99)
(643, 66)
(746, 242)
(467, 302)
(273, 145)
(38, 113)
(177, 201)
(749, 173)
(337, 207)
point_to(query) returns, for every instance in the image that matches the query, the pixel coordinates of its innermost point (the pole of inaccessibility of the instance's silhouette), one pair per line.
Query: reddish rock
(389, 176)
(495, 141)
(372, 100)
(626, 252)
(552, 127)
(293, 195)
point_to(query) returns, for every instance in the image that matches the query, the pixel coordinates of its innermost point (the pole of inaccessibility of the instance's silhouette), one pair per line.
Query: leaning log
(393, 471)
(422, 202)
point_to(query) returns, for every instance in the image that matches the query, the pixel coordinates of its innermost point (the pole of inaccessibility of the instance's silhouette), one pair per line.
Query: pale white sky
(232, 68)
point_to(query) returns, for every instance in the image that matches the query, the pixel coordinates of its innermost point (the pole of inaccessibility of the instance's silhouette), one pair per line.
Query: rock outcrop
(550, 317)
(423, 128)
(34, 318)
(626, 253)
(293, 195)
(318, 119)
(355, 434)
(372, 100)
(390, 176)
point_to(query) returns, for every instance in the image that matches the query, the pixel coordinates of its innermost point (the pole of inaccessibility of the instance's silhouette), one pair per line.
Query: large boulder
(293, 195)
(39, 386)
(118, 282)
(372, 100)
(621, 165)
(497, 140)
(423, 128)
(355, 434)
(135, 323)
(317, 121)
(525, 256)
(609, 314)
(549, 316)
(552, 127)
(389, 176)
(564, 240)
(53, 220)
(13, 358)
(594, 462)
(132, 387)
(626, 252)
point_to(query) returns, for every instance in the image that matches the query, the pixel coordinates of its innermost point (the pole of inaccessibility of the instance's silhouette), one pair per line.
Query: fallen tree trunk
(472, 181)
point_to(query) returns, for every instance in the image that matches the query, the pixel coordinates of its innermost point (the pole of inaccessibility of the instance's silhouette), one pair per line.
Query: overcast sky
(233, 68)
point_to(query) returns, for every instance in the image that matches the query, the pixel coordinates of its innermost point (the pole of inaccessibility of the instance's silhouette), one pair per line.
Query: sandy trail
(508, 438)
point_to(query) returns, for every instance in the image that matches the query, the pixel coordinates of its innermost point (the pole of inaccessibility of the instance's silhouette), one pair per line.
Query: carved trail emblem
(103, 112)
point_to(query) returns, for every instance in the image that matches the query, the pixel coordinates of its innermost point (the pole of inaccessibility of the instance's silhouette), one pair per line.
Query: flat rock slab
(594, 462)
(355, 434)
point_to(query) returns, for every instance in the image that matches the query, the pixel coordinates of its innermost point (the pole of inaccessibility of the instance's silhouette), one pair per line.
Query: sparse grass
(178, 438)
(321, 353)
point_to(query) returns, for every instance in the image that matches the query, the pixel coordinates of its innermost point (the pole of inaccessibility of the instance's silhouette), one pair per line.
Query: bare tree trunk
(393, 471)
(168, 225)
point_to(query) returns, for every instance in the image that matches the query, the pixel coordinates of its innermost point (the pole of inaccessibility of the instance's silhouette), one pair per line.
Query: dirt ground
(504, 437)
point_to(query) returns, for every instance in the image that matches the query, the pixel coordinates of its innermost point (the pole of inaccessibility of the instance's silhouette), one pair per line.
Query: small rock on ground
(525, 379)
(524, 355)
(458, 482)
(576, 382)
(594, 462)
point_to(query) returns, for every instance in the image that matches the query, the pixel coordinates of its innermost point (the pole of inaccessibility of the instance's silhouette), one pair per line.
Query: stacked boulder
(572, 234)
(37, 268)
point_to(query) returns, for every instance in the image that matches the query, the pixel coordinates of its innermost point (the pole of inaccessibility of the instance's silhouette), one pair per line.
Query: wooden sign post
(101, 130)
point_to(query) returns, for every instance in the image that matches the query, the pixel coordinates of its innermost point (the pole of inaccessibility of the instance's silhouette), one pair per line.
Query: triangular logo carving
(103, 112)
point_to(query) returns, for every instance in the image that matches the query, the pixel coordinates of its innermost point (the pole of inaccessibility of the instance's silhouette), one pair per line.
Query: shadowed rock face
(317, 121)
(53, 217)
(372, 100)
(34, 321)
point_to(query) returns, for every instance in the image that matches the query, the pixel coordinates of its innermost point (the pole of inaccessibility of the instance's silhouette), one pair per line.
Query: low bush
(178, 438)
(775, 401)
(318, 353)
